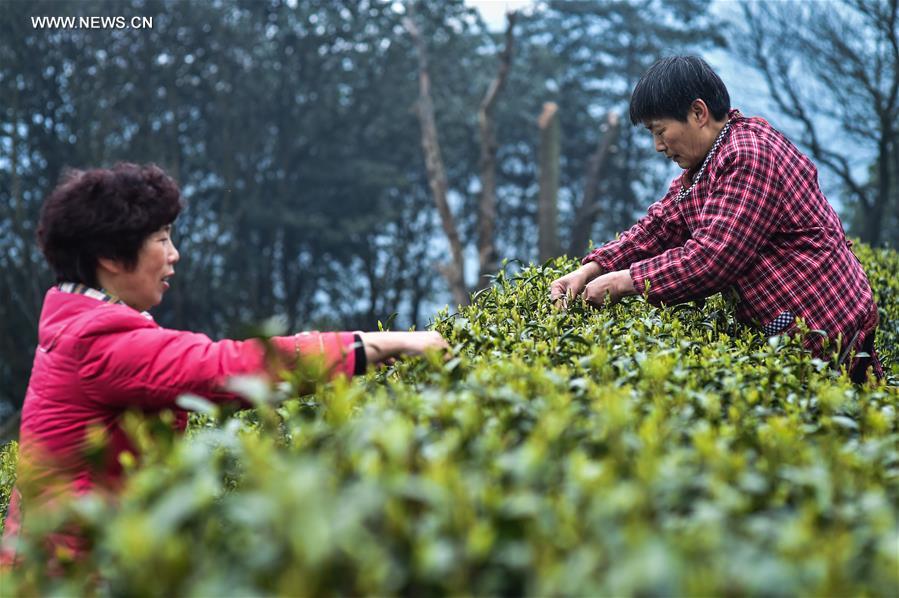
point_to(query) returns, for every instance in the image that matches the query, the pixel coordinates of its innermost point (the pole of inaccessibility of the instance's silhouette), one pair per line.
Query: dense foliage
(632, 449)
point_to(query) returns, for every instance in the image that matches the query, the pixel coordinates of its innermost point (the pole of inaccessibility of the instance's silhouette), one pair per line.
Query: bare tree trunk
(589, 209)
(874, 217)
(547, 203)
(487, 258)
(454, 271)
(894, 241)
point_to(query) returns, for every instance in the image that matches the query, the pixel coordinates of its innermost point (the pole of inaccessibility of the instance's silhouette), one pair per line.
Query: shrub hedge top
(628, 450)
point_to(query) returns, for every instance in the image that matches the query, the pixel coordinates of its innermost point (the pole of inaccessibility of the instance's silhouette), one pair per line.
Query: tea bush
(628, 450)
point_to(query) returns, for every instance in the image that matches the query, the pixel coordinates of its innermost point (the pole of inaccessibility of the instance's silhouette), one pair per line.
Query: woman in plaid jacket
(747, 213)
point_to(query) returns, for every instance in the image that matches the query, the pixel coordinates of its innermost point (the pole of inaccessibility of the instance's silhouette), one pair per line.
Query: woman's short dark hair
(671, 85)
(104, 213)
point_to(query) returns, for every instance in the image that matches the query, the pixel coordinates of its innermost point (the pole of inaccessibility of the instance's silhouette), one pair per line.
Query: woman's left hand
(613, 285)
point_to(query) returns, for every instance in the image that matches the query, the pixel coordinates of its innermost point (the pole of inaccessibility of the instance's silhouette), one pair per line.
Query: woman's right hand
(386, 346)
(567, 287)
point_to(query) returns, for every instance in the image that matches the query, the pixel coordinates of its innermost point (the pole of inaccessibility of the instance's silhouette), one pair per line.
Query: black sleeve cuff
(361, 361)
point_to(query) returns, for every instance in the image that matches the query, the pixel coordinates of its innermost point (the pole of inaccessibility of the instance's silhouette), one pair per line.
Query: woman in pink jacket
(107, 236)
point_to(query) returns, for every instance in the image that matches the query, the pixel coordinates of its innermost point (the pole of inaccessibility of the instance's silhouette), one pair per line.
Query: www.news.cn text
(118, 22)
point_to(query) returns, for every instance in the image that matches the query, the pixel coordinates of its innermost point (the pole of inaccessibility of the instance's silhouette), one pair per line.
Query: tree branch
(454, 271)
(547, 202)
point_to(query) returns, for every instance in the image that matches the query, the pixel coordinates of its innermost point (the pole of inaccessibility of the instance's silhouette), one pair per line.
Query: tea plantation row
(629, 450)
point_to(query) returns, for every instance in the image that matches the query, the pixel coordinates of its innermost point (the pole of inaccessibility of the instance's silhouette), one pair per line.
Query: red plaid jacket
(757, 222)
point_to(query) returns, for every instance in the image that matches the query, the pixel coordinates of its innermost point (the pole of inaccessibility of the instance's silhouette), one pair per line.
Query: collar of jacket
(99, 294)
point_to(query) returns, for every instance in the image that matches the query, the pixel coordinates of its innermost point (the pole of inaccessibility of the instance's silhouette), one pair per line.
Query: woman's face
(681, 142)
(143, 287)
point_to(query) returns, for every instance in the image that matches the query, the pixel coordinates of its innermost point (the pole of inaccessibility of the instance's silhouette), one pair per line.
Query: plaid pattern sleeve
(737, 217)
(661, 229)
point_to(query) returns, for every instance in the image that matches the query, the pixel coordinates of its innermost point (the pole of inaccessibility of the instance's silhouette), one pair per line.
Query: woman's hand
(613, 285)
(385, 346)
(566, 288)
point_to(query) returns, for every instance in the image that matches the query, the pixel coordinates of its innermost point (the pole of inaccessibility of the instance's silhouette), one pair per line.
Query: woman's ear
(700, 112)
(110, 265)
